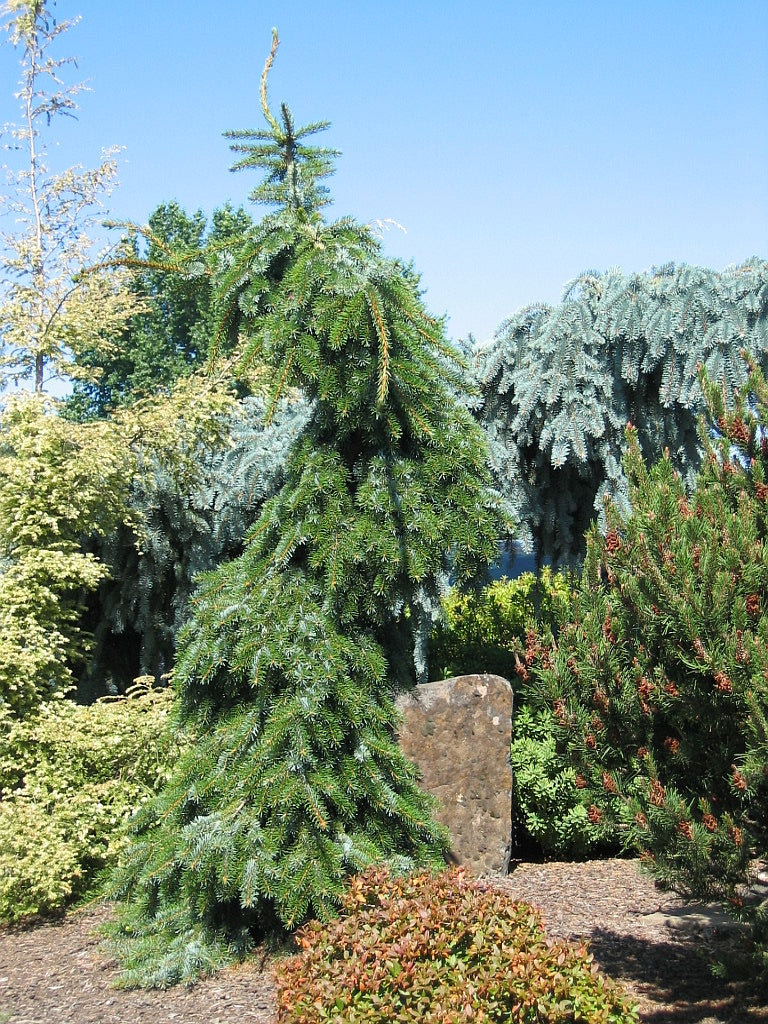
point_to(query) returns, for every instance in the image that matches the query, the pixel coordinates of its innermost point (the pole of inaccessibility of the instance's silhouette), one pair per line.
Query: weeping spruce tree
(287, 668)
(559, 385)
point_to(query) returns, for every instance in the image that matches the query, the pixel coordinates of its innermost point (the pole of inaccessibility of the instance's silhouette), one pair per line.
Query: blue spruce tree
(186, 528)
(559, 385)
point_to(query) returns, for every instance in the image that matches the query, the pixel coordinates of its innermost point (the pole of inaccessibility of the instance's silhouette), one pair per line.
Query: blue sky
(517, 143)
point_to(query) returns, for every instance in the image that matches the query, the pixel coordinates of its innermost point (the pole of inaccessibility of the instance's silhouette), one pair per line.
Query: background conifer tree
(168, 337)
(287, 669)
(559, 385)
(175, 530)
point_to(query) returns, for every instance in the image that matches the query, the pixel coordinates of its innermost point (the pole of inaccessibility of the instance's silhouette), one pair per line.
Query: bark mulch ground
(660, 948)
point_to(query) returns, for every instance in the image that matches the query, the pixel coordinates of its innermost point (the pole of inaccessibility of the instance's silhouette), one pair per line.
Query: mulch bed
(659, 947)
(648, 940)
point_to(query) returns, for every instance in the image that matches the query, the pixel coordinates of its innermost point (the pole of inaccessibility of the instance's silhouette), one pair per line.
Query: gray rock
(458, 731)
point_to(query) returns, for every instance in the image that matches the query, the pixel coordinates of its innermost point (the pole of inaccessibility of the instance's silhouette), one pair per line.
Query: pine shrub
(654, 697)
(440, 949)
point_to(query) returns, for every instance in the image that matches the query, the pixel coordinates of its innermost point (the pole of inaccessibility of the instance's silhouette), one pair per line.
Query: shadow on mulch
(674, 981)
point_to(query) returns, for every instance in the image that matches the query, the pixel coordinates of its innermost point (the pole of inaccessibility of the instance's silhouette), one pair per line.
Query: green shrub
(546, 800)
(483, 628)
(59, 482)
(440, 949)
(70, 777)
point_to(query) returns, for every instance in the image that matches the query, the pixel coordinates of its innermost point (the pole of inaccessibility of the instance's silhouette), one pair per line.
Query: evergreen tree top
(293, 168)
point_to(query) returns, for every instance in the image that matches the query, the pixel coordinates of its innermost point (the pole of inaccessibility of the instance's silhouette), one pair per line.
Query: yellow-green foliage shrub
(482, 628)
(440, 949)
(70, 777)
(59, 482)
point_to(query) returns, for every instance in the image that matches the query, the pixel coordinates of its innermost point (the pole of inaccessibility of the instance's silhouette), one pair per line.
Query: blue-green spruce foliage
(287, 669)
(190, 526)
(560, 383)
(185, 531)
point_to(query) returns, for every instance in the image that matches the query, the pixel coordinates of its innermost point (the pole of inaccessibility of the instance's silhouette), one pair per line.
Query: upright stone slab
(458, 731)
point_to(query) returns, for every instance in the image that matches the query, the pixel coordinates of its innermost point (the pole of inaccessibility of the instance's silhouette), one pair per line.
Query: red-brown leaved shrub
(439, 948)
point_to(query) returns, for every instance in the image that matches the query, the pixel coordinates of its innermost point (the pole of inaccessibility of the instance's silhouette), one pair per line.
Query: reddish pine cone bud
(580, 781)
(608, 784)
(685, 829)
(612, 541)
(753, 604)
(594, 814)
(709, 821)
(735, 834)
(641, 819)
(739, 782)
(532, 646)
(644, 689)
(685, 508)
(723, 683)
(658, 793)
(739, 431)
(600, 700)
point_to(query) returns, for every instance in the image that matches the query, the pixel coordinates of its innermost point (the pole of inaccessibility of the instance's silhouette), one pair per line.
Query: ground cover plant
(651, 704)
(439, 948)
